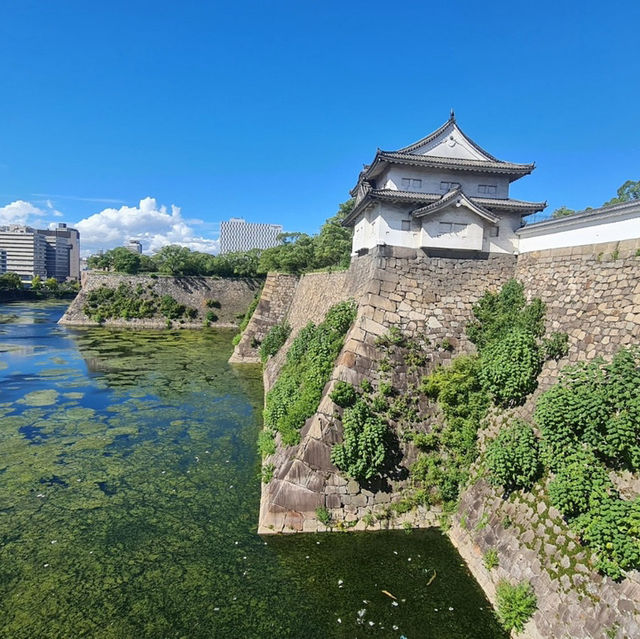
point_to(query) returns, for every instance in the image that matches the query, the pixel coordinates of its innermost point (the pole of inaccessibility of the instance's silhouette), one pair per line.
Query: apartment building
(26, 251)
(239, 235)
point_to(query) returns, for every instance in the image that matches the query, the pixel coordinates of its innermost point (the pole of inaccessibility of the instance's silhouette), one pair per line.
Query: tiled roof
(456, 163)
(457, 196)
(423, 199)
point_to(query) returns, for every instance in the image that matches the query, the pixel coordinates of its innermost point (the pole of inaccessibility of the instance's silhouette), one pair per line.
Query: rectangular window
(494, 231)
(416, 184)
(487, 189)
(453, 228)
(406, 183)
(447, 186)
(406, 225)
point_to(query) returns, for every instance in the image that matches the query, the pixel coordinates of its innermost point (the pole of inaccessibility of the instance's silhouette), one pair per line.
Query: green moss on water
(132, 512)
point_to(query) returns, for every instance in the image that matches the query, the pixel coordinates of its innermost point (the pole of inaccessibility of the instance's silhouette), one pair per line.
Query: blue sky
(267, 110)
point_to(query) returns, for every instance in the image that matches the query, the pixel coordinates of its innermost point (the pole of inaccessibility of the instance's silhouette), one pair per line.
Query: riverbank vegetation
(12, 288)
(139, 302)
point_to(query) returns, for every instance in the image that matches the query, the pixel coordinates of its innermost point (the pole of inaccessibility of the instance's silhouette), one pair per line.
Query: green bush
(171, 308)
(273, 340)
(512, 457)
(362, 453)
(123, 302)
(516, 604)
(266, 443)
(310, 361)
(490, 559)
(267, 473)
(498, 314)
(590, 423)
(343, 394)
(213, 304)
(211, 317)
(556, 347)
(510, 367)
(323, 515)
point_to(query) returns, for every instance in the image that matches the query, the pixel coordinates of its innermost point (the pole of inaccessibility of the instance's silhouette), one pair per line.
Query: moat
(129, 497)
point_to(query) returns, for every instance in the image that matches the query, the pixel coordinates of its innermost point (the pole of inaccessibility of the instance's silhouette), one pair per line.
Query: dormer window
(448, 186)
(411, 183)
(487, 189)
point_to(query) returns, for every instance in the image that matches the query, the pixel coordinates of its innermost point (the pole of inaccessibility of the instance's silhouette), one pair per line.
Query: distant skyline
(159, 120)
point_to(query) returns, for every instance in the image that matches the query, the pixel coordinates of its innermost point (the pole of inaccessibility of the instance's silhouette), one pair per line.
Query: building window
(453, 228)
(448, 186)
(406, 225)
(487, 189)
(411, 183)
(494, 231)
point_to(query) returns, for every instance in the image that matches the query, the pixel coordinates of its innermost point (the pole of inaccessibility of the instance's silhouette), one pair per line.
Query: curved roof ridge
(459, 196)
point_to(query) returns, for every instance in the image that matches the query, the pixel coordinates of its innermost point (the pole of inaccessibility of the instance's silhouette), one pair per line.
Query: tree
(563, 211)
(629, 191)
(36, 283)
(10, 282)
(52, 284)
(174, 260)
(125, 261)
(333, 243)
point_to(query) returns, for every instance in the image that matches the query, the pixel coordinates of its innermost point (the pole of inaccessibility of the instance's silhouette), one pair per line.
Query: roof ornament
(452, 116)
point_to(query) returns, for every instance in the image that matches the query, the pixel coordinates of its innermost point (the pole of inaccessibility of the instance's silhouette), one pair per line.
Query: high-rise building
(239, 235)
(26, 251)
(3, 261)
(134, 246)
(72, 237)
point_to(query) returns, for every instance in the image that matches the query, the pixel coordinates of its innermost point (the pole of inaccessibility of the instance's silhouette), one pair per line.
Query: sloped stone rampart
(234, 296)
(593, 294)
(273, 307)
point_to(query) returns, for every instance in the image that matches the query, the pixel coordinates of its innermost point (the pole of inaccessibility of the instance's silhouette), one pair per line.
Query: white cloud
(19, 212)
(153, 225)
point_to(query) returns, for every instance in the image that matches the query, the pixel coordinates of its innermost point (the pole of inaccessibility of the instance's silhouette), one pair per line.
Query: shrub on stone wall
(343, 394)
(273, 340)
(516, 604)
(512, 457)
(361, 455)
(310, 360)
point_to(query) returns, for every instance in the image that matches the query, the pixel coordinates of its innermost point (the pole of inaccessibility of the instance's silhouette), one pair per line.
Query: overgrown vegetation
(490, 559)
(516, 604)
(344, 394)
(310, 359)
(361, 455)
(128, 302)
(12, 288)
(273, 340)
(512, 457)
(590, 423)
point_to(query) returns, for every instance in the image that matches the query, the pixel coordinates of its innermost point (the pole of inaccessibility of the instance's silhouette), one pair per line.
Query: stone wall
(593, 294)
(425, 297)
(234, 296)
(273, 307)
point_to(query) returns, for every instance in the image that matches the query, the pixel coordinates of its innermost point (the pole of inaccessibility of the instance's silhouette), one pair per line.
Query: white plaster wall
(595, 232)
(471, 239)
(507, 240)
(431, 178)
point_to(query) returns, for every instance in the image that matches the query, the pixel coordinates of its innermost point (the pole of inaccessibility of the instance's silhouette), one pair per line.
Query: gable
(451, 143)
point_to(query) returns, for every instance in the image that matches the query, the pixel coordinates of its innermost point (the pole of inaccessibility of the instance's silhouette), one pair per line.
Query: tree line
(297, 253)
(628, 192)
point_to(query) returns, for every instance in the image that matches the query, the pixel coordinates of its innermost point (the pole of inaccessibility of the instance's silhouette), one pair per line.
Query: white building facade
(443, 194)
(237, 234)
(26, 251)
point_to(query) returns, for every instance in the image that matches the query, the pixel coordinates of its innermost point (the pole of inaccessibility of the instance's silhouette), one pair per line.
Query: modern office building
(26, 251)
(72, 237)
(239, 235)
(3, 261)
(134, 246)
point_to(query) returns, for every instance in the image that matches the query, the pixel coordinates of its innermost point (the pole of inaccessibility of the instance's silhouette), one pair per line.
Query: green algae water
(129, 495)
